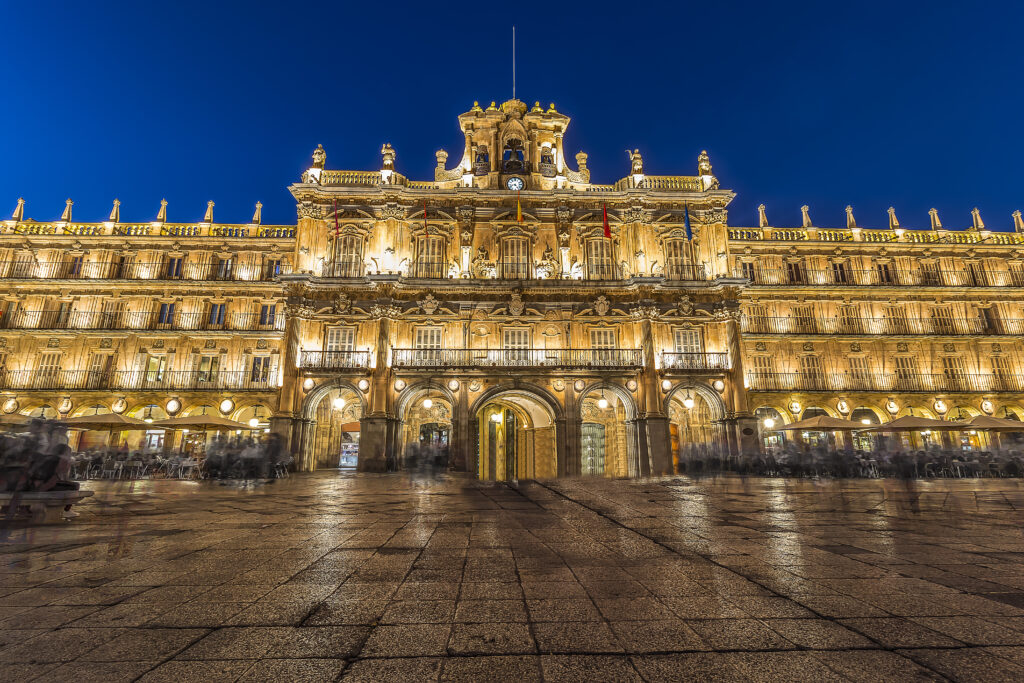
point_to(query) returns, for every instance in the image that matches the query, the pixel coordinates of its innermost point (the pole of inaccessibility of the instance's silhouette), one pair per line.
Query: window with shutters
(340, 339)
(100, 365)
(224, 268)
(749, 271)
(677, 263)
(953, 372)
(1017, 274)
(430, 257)
(348, 261)
(757, 319)
(600, 263)
(849, 320)
(688, 340)
(1002, 379)
(762, 374)
(810, 370)
(215, 315)
(803, 320)
(260, 373)
(48, 368)
(165, 314)
(884, 273)
(930, 275)
(268, 314)
(155, 366)
(272, 268)
(112, 314)
(206, 371)
(907, 375)
(603, 341)
(124, 268)
(976, 274)
(428, 345)
(173, 270)
(515, 344)
(942, 320)
(75, 266)
(896, 320)
(795, 272)
(515, 258)
(860, 374)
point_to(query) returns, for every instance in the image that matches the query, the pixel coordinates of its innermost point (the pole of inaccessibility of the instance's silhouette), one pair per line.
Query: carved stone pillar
(377, 428)
(654, 441)
(746, 440)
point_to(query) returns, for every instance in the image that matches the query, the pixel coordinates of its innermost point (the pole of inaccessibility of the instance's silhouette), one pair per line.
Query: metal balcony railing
(57, 319)
(511, 269)
(140, 380)
(334, 360)
(677, 269)
(675, 360)
(884, 277)
(894, 381)
(513, 358)
(881, 326)
(430, 269)
(184, 268)
(343, 270)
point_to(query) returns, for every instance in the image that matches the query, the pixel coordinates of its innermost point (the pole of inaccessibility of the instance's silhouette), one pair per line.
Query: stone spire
(66, 216)
(161, 216)
(115, 213)
(1018, 222)
(894, 223)
(208, 216)
(762, 218)
(933, 214)
(257, 217)
(851, 222)
(19, 211)
(805, 216)
(976, 222)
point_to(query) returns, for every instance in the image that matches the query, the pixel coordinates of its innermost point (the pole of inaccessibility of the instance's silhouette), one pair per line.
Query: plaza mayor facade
(532, 321)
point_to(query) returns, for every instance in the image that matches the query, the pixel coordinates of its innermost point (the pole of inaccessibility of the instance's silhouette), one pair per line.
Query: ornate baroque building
(534, 322)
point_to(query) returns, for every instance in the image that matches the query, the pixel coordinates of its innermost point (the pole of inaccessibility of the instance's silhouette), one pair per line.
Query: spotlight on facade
(769, 423)
(364, 385)
(688, 401)
(865, 421)
(338, 403)
(308, 383)
(253, 423)
(428, 403)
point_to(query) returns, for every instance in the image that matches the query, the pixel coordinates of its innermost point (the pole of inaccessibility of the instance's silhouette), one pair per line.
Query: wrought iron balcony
(517, 358)
(688, 362)
(137, 380)
(800, 325)
(334, 360)
(342, 270)
(896, 381)
(879, 277)
(678, 269)
(184, 268)
(57, 319)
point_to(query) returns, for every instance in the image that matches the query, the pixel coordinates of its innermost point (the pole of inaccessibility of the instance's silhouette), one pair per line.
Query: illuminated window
(688, 340)
(340, 339)
(600, 262)
(515, 258)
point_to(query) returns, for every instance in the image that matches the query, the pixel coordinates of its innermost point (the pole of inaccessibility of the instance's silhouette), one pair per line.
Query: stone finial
(894, 223)
(933, 215)
(536, 107)
(161, 216)
(387, 153)
(1018, 222)
(551, 108)
(851, 222)
(476, 106)
(442, 158)
(976, 222)
(319, 157)
(762, 218)
(257, 216)
(19, 211)
(66, 216)
(581, 161)
(115, 213)
(493, 107)
(208, 216)
(805, 217)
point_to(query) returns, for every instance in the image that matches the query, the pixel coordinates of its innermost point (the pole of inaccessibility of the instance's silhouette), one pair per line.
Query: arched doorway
(516, 437)
(333, 434)
(152, 439)
(691, 428)
(768, 420)
(864, 441)
(425, 413)
(608, 445)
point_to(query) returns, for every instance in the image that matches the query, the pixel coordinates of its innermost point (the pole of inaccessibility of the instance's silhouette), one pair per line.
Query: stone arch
(540, 435)
(708, 440)
(306, 458)
(413, 391)
(315, 395)
(713, 398)
(632, 434)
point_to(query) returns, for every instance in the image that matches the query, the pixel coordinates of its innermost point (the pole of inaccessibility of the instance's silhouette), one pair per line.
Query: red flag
(425, 229)
(607, 228)
(519, 209)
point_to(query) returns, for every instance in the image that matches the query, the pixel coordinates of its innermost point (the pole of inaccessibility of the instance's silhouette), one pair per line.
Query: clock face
(515, 184)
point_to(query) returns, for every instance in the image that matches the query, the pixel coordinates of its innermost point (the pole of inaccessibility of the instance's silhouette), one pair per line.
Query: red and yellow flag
(607, 228)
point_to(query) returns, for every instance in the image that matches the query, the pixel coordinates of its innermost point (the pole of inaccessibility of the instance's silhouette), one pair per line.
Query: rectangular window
(840, 273)
(942, 320)
(165, 316)
(48, 369)
(1017, 274)
(757, 319)
(803, 320)
(762, 374)
(174, 267)
(907, 376)
(849, 320)
(208, 368)
(268, 312)
(688, 340)
(260, 369)
(100, 365)
(349, 259)
(124, 269)
(75, 267)
(603, 341)
(884, 274)
(677, 263)
(810, 367)
(976, 275)
(515, 338)
(215, 317)
(896, 320)
(795, 272)
(155, 368)
(930, 275)
(272, 269)
(428, 344)
(749, 271)
(430, 260)
(859, 370)
(600, 265)
(340, 339)
(1001, 377)
(225, 268)
(515, 258)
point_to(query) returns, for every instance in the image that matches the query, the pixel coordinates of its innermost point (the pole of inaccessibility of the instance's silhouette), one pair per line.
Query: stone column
(377, 431)
(460, 426)
(288, 401)
(655, 444)
(745, 424)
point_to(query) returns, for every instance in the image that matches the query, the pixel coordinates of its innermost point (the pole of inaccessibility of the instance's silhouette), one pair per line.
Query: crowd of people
(794, 460)
(238, 458)
(423, 459)
(38, 459)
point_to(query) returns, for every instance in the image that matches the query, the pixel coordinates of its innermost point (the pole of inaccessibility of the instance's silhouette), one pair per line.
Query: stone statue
(319, 157)
(704, 163)
(894, 223)
(548, 266)
(976, 222)
(636, 161)
(388, 152)
(851, 222)
(805, 214)
(762, 218)
(933, 214)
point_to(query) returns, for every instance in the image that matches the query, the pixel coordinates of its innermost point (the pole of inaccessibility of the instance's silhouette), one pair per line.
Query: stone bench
(44, 507)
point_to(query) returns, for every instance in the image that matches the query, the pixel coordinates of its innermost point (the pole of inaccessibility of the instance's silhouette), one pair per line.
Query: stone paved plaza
(326, 577)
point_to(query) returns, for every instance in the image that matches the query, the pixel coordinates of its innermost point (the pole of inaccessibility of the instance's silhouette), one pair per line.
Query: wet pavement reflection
(379, 577)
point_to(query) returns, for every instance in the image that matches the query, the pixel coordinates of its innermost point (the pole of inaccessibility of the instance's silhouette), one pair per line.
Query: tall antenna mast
(513, 61)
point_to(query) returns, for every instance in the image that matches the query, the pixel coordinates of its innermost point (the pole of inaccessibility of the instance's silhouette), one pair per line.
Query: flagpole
(513, 61)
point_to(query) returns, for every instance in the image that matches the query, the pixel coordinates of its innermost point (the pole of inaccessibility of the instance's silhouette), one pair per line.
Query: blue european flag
(686, 222)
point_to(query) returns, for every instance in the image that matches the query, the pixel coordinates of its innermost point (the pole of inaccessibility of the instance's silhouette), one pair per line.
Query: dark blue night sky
(828, 104)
